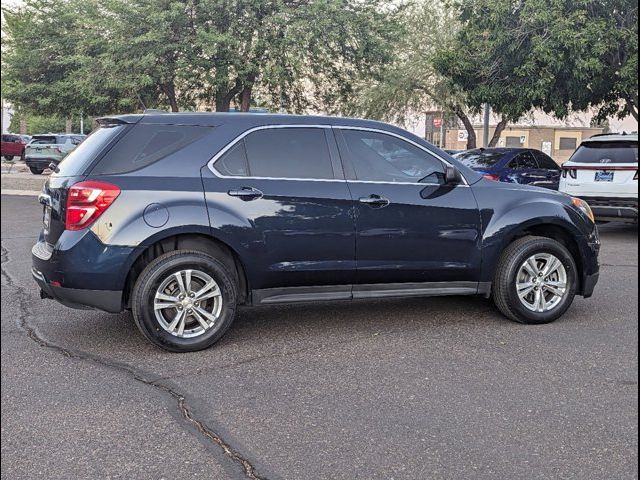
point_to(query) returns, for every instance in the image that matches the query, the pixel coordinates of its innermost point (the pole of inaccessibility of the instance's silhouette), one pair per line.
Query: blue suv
(526, 166)
(181, 218)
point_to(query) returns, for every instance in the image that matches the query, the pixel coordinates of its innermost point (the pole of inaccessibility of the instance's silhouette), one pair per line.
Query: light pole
(485, 133)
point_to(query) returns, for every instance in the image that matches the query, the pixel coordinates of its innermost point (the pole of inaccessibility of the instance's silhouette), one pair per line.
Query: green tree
(557, 55)
(410, 83)
(103, 56)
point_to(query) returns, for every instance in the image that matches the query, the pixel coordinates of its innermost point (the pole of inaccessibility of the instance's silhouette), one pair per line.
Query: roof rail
(608, 134)
(154, 110)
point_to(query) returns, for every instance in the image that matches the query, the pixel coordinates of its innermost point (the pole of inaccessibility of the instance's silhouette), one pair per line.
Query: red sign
(437, 123)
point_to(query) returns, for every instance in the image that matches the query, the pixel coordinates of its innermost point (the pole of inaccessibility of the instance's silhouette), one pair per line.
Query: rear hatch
(603, 169)
(73, 169)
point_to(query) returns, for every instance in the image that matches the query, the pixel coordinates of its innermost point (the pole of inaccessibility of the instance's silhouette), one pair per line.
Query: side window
(289, 153)
(524, 161)
(546, 162)
(233, 162)
(384, 158)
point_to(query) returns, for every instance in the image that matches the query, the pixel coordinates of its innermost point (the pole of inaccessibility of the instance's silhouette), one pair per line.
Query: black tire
(151, 278)
(8, 157)
(505, 293)
(36, 170)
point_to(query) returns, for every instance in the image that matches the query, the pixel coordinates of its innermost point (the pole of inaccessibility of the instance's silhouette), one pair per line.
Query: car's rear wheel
(36, 170)
(536, 280)
(8, 157)
(184, 301)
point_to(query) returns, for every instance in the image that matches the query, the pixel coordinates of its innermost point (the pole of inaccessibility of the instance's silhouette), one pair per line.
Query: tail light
(87, 201)
(493, 178)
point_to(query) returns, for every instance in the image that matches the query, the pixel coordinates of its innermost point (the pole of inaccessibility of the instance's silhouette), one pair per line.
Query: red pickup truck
(13, 146)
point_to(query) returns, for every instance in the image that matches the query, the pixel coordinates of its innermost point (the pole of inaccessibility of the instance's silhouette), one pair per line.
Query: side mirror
(452, 176)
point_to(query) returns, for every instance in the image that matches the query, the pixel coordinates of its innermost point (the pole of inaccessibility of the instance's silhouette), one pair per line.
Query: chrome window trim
(232, 143)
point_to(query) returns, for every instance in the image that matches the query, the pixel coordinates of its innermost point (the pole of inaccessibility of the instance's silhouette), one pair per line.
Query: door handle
(246, 193)
(375, 201)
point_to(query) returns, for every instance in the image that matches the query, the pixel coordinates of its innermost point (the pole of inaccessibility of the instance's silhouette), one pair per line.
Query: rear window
(606, 152)
(44, 140)
(478, 159)
(147, 144)
(82, 156)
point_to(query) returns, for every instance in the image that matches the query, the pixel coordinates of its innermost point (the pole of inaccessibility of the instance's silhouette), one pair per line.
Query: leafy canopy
(556, 55)
(104, 56)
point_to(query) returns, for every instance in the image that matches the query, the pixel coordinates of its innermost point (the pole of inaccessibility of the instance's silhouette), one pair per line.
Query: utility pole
(487, 117)
(81, 123)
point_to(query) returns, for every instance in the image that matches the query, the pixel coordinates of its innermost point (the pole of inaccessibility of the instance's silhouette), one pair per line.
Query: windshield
(606, 152)
(479, 159)
(79, 159)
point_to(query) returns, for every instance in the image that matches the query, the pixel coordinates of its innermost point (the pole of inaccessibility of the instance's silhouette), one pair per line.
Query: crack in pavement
(137, 374)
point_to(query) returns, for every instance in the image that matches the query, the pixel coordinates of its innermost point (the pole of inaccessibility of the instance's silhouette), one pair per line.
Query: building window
(513, 142)
(567, 143)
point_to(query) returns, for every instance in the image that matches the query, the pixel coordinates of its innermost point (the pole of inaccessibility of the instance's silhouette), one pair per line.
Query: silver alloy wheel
(542, 282)
(188, 303)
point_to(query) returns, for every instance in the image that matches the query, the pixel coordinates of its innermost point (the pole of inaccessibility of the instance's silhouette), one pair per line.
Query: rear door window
(296, 153)
(524, 161)
(145, 144)
(606, 152)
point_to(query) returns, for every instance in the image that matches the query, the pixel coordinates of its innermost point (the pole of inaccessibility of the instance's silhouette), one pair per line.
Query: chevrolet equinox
(183, 217)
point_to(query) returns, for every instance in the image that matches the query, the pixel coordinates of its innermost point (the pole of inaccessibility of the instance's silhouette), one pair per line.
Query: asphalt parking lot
(401, 389)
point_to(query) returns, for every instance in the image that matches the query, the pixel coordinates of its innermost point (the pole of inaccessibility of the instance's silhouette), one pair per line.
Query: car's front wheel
(36, 170)
(8, 157)
(535, 281)
(184, 301)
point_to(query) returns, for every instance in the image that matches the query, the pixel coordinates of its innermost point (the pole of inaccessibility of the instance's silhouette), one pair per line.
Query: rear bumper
(106, 300)
(614, 208)
(82, 272)
(40, 162)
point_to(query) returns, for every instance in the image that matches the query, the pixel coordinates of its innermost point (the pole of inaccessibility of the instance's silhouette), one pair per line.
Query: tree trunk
(68, 125)
(472, 139)
(496, 134)
(632, 105)
(223, 99)
(169, 89)
(245, 99)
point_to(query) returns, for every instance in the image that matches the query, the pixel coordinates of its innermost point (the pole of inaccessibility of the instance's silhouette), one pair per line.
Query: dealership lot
(419, 388)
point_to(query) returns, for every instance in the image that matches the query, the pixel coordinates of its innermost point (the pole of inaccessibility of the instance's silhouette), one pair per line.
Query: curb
(21, 193)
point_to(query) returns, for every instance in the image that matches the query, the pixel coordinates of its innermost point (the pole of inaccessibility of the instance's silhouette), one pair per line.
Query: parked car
(525, 166)
(604, 172)
(12, 146)
(184, 217)
(45, 150)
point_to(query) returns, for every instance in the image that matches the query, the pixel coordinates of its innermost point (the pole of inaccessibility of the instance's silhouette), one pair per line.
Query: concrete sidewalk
(22, 183)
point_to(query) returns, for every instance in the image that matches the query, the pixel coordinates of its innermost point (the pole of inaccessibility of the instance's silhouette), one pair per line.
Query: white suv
(604, 172)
